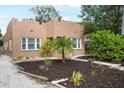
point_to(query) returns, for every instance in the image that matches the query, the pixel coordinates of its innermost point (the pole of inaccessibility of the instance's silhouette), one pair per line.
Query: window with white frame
(10, 45)
(23, 44)
(5, 46)
(77, 43)
(38, 43)
(30, 44)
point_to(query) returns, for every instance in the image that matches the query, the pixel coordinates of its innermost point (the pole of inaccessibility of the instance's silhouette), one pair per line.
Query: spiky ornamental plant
(76, 78)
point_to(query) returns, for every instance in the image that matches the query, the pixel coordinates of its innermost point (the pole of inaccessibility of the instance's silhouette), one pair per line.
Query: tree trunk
(122, 26)
(63, 56)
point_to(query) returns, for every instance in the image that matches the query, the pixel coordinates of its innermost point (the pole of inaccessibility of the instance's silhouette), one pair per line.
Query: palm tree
(63, 45)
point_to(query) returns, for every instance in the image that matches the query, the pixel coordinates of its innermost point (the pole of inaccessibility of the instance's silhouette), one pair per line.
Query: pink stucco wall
(29, 28)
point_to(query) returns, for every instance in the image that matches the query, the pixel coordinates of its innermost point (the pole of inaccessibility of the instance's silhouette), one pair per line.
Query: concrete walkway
(10, 78)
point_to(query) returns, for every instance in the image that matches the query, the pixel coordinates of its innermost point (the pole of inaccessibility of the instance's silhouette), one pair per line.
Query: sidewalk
(10, 78)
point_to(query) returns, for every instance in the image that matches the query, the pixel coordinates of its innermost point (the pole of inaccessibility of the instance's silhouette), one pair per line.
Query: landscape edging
(56, 83)
(111, 65)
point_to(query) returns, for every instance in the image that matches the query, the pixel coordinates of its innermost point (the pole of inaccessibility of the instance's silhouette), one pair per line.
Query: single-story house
(24, 38)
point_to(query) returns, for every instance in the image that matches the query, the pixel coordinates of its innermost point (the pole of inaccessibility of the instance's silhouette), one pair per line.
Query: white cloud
(2, 17)
(74, 6)
(3, 23)
(66, 18)
(61, 7)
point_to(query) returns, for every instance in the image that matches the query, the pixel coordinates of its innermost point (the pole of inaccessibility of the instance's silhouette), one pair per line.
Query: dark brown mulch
(104, 76)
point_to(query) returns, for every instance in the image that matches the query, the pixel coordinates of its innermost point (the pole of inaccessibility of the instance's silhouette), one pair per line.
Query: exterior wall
(71, 30)
(50, 28)
(8, 36)
(28, 28)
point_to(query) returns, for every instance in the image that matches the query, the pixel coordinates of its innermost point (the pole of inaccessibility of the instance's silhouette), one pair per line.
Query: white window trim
(5, 47)
(77, 42)
(27, 44)
(40, 43)
(10, 45)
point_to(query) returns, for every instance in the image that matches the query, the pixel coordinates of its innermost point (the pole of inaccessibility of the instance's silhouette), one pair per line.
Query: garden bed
(103, 76)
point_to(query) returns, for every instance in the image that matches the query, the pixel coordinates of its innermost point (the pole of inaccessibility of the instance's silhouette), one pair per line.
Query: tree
(45, 13)
(1, 39)
(104, 17)
(89, 27)
(0, 34)
(122, 27)
(63, 45)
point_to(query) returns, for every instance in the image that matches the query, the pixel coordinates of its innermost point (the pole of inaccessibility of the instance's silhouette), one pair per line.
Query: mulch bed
(104, 76)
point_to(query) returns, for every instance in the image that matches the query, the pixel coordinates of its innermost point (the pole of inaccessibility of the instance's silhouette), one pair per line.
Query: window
(23, 43)
(76, 42)
(30, 44)
(79, 41)
(38, 43)
(10, 45)
(5, 47)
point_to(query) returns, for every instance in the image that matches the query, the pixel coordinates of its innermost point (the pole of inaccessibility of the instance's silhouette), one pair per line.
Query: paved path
(10, 78)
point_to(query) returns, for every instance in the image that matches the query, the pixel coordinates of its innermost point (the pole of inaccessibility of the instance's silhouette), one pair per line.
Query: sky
(7, 12)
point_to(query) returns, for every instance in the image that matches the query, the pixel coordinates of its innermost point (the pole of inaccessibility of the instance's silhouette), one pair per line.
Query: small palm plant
(63, 45)
(76, 78)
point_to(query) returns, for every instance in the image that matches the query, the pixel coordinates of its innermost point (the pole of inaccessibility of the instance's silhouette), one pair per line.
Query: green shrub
(106, 46)
(76, 78)
(47, 49)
